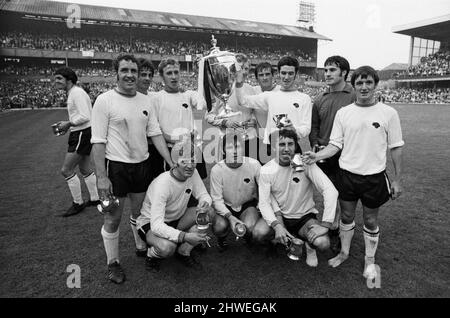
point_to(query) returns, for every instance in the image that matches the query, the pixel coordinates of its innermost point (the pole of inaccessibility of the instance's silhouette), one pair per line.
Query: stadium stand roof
(396, 67)
(437, 29)
(91, 13)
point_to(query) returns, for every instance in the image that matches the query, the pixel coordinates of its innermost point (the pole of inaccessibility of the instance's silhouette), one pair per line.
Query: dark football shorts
(294, 225)
(156, 162)
(245, 206)
(373, 190)
(330, 167)
(146, 227)
(128, 177)
(80, 142)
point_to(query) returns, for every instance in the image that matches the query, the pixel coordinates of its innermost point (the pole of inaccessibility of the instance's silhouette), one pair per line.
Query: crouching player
(293, 192)
(234, 190)
(166, 223)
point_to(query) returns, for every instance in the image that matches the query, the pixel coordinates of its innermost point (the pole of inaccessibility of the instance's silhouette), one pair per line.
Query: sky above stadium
(361, 30)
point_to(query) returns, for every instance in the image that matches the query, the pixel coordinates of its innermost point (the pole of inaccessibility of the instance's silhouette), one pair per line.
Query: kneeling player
(234, 189)
(166, 223)
(293, 192)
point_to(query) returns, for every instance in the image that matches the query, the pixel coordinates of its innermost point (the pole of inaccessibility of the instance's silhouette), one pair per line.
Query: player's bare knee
(112, 222)
(66, 172)
(347, 217)
(322, 242)
(165, 248)
(260, 234)
(85, 172)
(371, 222)
(220, 226)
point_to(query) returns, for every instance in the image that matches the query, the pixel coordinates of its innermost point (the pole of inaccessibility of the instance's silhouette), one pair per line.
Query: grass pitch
(37, 246)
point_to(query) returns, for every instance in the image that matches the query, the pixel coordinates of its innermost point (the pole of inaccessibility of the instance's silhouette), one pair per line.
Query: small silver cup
(240, 230)
(297, 163)
(57, 130)
(108, 204)
(295, 248)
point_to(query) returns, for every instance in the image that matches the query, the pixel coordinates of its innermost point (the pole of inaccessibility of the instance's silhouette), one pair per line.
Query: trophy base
(202, 227)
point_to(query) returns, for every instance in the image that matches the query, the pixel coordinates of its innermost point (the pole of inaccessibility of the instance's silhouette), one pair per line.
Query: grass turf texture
(37, 246)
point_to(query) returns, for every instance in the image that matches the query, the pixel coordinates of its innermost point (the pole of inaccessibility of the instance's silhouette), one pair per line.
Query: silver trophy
(218, 66)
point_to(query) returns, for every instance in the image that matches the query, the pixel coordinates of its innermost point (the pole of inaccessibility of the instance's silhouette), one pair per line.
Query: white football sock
(346, 235)
(75, 188)
(111, 242)
(140, 244)
(91, 184)
(371, 238)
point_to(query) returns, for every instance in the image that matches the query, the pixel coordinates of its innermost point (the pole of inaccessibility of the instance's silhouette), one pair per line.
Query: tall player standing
(78, 154)
(122, 119)
(364, 131)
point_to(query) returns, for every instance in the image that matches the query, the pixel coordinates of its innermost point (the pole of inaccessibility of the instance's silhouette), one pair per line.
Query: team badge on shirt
(296, 180)
(296, 105)
(145, 113)
(185, 105)
(188, 191)
(247, 180)
(376, 125)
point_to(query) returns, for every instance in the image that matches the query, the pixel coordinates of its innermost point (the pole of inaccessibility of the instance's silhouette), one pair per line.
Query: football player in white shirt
(364, 131)
(292, 192)
(146, 73)
(78, 154)
(234, 189)
(288, 100)
(174, 107)
(122, 119)
(166, 220)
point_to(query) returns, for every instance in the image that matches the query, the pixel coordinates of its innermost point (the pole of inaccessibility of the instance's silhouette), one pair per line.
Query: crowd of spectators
(42, 93)
(30, 93)
(437, 64)
(48, 71)
(418, 96)
(117, 44)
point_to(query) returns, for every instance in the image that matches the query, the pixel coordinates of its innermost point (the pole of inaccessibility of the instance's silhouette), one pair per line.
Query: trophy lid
(213, 42)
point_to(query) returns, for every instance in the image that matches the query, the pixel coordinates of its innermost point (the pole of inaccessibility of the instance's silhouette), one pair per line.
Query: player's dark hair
(124, 57)
(340, 62)
(164, 63)
(364, 72)
(283, 133)
(288, 61)
(146, 63)
(68, 74)
(228, 137)
(261, 66)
